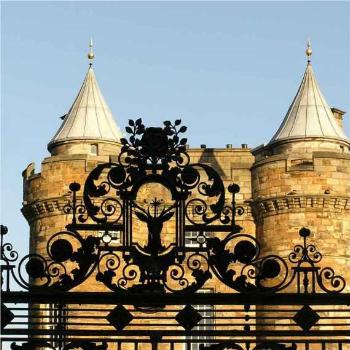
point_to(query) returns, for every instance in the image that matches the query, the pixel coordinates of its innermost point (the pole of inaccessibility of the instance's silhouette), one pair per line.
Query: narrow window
(94, 149)
(108, 236)
(196, 239)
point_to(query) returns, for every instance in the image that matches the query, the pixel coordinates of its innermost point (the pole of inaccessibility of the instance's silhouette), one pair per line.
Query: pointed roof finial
(89, 118)
(308, 51)
(309, 114)
(91, 55)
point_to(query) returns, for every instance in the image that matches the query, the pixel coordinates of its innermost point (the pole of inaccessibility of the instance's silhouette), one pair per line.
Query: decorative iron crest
(153, 146)
(128, 249)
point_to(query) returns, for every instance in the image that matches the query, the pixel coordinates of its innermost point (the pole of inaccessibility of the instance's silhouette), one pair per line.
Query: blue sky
(228, 69)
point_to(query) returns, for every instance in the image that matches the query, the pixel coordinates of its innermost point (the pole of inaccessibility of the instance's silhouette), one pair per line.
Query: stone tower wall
(295, 185)
(304, 187)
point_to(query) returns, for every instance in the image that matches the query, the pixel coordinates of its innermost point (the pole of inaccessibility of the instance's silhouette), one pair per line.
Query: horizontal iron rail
(140, 325)
(192, 341)
(214, 319)
(167, 310)
(158, 317)
(112, 298)
(181, 333)
(94, 227)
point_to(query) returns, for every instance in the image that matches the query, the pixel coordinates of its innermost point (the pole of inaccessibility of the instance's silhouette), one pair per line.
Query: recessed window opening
(94, 149)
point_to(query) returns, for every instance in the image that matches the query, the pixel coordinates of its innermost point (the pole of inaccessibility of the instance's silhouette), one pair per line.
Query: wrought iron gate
(153, 288)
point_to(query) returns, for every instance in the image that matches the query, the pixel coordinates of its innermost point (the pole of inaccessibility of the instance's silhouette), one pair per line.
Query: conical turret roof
(89, 117)
(309, 114)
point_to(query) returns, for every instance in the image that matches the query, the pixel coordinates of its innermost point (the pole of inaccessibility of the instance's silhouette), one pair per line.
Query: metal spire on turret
(308, 51)
(89, 118)
(91, 54)
(309, 115)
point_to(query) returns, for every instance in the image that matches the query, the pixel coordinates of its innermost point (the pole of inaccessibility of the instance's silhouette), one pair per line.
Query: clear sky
(228, 69)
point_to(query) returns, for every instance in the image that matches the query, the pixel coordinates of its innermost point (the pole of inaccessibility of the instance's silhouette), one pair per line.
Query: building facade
(300, 178)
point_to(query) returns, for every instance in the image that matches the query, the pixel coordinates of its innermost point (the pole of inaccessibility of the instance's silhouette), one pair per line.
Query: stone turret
(89, 126)
(88, 136)
(302, 178)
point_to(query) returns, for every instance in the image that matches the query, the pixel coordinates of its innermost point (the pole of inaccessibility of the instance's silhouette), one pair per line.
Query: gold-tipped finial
(308, 51)
(91, 54)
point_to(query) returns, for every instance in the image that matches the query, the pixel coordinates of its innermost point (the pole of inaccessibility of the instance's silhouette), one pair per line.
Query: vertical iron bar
(130, 225)
(233, 206)
(306, 282)
(154, 344)
(8, 278)
(182, 224)
(74, 208)
(59, 326)
(177, 225)
(125, 231)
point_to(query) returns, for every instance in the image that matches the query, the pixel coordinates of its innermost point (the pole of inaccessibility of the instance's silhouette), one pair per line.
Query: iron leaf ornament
(154, 145)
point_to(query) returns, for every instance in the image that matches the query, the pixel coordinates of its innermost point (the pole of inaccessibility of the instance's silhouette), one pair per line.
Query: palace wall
(46, 193)
(281, 190)
(280, 194)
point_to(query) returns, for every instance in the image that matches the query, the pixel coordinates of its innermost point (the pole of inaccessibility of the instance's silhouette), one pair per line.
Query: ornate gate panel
(148, 235)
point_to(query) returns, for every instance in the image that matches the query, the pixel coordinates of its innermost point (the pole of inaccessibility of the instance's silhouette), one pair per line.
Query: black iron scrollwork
(309, 275)
(152, 252)
(78, 211)
(236, 261)
(65, 267)
(9, 257)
